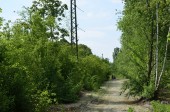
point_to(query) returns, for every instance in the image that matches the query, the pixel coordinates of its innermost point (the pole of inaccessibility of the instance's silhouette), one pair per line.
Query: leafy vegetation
(38, 67)
(130, 110)
(144, 55)
(158, 107)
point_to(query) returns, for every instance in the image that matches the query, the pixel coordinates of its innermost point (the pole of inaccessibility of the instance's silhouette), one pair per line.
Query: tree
(53, 12)
(136, 61)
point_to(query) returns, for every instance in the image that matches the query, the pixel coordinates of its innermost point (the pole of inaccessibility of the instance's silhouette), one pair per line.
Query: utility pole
(74, 37)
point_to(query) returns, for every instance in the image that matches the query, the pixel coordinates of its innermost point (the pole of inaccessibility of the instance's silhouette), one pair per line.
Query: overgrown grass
(131, 109)
(158, 107)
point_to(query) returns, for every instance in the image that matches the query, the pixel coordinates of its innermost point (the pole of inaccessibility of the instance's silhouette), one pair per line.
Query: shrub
(131, 109)
(158, 107)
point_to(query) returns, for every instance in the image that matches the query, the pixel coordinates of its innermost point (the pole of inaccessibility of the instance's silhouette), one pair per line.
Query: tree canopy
(144, 26)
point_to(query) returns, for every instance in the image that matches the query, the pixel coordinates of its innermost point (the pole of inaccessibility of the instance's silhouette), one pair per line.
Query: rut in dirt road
(110, 100)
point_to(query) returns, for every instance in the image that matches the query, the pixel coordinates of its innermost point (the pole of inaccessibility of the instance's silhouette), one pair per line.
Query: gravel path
(107, 99)
(110, 100)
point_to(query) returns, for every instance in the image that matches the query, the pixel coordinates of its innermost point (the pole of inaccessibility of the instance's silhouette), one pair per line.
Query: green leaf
(168, 35)
(169, 39)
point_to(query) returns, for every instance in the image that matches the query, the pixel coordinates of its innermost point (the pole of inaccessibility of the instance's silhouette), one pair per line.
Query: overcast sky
(98, 20)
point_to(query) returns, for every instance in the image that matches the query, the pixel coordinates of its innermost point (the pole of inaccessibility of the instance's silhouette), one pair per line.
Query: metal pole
(71, 9)
(74, 26)
(76, 30)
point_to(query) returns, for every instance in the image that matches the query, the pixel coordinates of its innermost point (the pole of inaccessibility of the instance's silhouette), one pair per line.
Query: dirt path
(107, 99)
(110, 100)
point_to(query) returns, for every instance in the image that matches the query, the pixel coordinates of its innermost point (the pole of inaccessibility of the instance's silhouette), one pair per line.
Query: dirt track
(107, 99)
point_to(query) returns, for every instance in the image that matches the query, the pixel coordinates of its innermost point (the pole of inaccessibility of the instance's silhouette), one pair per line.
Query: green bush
(37, 69)
(43, 101)
(131, 109)
(5, 102)
(158, 107)
(149, 91)
(96, 71)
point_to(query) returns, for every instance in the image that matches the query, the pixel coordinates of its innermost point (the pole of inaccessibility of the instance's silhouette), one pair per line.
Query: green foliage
(5, 101)
(95, 72)
(158, 107)
(149, 91)
(37, 69)
(136, 59)
(131, 110)
(84, 51)
(168, 36)
(44, 100)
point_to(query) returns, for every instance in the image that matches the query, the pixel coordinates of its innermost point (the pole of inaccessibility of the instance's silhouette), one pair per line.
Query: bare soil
(107, 99)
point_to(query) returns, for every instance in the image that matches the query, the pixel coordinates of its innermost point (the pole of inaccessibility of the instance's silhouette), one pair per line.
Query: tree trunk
(164, 62)
(151, 51)
(157, 42)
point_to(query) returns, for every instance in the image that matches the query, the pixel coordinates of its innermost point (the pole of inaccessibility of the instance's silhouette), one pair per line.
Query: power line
(79, 9)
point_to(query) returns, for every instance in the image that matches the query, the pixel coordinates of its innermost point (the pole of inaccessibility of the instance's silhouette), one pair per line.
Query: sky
(98, 19)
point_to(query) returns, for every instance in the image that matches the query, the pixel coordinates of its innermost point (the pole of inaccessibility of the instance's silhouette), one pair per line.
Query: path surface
(107, 99)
